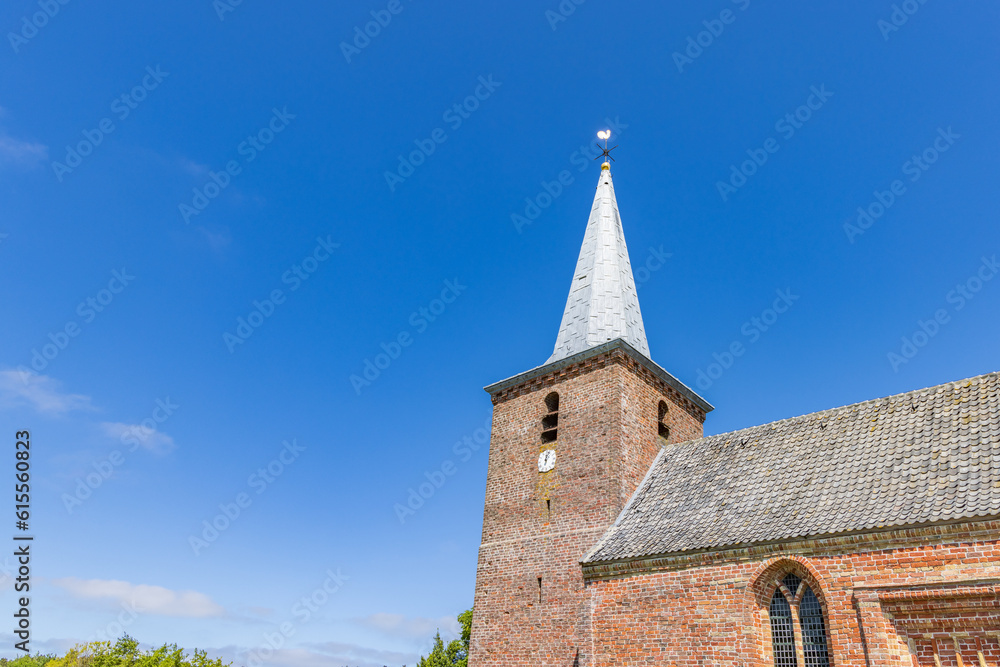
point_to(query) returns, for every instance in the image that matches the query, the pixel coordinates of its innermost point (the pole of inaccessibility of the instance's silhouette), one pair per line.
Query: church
(616, 534)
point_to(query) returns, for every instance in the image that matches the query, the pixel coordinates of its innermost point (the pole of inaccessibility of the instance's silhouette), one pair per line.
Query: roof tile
(924, 456)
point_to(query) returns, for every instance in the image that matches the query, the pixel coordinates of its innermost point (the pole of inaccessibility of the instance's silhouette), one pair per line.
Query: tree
(37, 660)
(126, 653)
(456, 653)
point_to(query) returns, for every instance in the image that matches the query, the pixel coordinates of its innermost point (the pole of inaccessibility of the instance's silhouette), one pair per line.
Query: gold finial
(605, 152)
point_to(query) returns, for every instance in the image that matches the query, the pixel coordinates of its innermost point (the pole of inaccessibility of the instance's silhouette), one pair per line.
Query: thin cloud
(339, 653)
(326, 654)
(40, 392)
(43, 646)
(397, 625)
(139, 435)
(193, 168)
(21, 153)
(216, 240)
(263, 612)
(153, 600)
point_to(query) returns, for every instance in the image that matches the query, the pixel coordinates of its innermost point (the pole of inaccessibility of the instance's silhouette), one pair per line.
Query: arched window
(795, 605)
(550, 422)
(661, 422)
(782, 631)
(813, 631)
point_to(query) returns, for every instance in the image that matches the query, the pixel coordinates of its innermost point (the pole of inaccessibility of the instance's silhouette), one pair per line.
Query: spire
(602, 304)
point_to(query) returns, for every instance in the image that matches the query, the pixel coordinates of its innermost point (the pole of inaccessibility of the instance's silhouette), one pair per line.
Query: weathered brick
(607, 439)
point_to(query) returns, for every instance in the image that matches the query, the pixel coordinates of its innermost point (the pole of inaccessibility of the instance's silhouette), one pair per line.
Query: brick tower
(571, 441)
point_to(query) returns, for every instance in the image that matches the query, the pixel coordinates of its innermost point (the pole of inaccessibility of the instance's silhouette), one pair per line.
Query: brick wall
(540, 525)
(924, 596)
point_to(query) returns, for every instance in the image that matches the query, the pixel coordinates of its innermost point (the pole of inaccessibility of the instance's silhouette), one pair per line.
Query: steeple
(570, 443)
(603, 304)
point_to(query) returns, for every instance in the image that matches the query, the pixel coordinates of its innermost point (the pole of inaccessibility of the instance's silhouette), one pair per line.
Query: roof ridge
(842, 408)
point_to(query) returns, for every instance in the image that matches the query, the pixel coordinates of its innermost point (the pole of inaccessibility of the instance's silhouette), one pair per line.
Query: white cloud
(21, 153)
(145, 435)
(21, 388)
(154, 600)
(397, 625)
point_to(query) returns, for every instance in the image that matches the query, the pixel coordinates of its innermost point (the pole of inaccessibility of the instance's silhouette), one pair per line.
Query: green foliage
(456, 653)
(37, 660)
(126, 653)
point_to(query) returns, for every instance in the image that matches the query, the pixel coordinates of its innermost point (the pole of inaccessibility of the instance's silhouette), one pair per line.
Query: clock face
(547, 460)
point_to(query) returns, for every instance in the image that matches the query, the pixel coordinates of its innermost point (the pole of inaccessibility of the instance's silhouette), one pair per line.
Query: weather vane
(605, 152)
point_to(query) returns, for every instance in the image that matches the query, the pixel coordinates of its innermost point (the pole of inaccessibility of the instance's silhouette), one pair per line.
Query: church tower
(571, 441)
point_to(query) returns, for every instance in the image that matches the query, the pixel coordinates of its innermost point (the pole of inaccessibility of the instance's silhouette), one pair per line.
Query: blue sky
(279, 139)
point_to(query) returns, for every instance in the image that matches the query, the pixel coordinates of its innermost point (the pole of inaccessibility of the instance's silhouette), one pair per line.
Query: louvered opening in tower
(550, 422)
(662, 429)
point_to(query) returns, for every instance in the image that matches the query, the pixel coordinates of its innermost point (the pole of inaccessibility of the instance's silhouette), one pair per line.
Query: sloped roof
(603, 304)
(926, 456)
